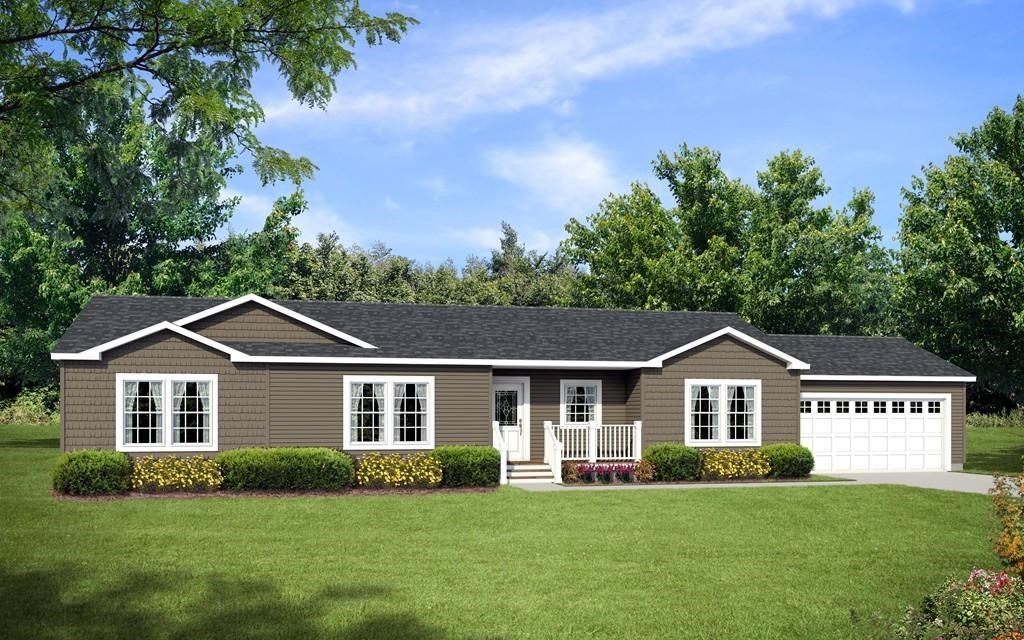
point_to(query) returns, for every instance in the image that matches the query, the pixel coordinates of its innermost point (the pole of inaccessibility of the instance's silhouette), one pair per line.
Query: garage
(876, 432)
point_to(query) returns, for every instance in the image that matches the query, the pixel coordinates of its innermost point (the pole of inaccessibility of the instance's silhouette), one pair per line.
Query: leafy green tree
(811, 269)
(190, 64)
(960, 286)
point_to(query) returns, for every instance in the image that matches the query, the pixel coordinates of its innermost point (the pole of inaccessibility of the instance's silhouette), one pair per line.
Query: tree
(960, 287)
(189, 63)
(811, 269)
(772, 254)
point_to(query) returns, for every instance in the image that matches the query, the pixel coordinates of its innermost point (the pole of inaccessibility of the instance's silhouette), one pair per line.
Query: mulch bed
(145, 495)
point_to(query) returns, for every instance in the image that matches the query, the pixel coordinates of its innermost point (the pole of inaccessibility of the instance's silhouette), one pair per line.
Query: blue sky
(531, 112)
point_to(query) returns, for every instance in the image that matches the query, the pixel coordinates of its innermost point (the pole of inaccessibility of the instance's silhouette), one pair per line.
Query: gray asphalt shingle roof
(506, 333)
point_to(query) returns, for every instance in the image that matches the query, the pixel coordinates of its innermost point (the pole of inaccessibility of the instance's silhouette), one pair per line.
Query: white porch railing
(591, 442)
(500, 443)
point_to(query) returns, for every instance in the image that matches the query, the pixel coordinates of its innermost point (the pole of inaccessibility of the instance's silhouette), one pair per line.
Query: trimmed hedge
(468, 466)
(673, 462)
(92, 473)
(285, 469)
(788, 460)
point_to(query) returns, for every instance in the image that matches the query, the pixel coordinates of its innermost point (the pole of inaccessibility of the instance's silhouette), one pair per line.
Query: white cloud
(477, 238)
(389, 203)
(569, 176)
(436, 185)
(494, 68)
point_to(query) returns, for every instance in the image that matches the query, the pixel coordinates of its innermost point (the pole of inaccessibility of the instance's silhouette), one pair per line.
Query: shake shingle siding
(253, 323)
(307, 403)
(89, 391)
(664, 390)
(957, 391)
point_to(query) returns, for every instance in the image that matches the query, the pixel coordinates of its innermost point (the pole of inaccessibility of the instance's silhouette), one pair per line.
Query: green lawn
(991, 449)
(771, 562)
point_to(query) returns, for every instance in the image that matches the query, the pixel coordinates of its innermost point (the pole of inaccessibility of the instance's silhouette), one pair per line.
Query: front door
(510, 410)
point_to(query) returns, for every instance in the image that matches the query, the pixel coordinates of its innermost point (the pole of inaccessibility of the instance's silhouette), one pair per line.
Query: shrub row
(87, 473)
(675, 462)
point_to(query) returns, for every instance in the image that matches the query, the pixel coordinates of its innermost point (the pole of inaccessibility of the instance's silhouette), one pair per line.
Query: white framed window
(580, 401)
(723, 413)
(878, 406)
(388, 412)
(842, 406)
(916, 406)
(934, 406)
(898, 406)
(824, 406)
(166, 412)
(860, 406)
(805, 406)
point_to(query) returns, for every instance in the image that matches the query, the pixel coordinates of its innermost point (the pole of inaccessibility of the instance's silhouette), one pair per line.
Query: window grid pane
(898, 406)
(824, 406)
(860, 406)
(368, 411)
(143, 412)
(190, 416)
(878, 406)
(934, 406)
(580, 403)
(740, 414)
(916, 406)
(842, 406)
(410, 412)
(704, 412)
(805, 406)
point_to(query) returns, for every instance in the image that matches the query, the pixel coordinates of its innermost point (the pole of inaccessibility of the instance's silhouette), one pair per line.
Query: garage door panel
(880, 441)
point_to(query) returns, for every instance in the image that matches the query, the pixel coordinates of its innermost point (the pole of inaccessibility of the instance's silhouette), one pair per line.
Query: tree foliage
(771, 254)
(960, 288)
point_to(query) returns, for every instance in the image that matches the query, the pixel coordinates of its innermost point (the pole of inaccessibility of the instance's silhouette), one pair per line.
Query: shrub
(32, 406)
(92, 473)
(725, 464)
(468, 466)
(394, 470)
(788, 460)
(285, 469)
(171, 473)
(673, 462)
(1008, 503)
(570, 472)
(1011, 419)
(644, 471)
(986, 605)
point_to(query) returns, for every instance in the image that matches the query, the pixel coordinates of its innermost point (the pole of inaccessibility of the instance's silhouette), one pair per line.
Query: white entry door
(511, 410)
(876, 432)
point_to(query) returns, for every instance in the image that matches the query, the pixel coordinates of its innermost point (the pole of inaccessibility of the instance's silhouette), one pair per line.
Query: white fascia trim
(889, 378)
(479, 362)
(96, 353)
(294, 315)
(791, 362)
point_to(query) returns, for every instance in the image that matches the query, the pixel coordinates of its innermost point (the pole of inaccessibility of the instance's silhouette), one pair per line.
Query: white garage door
(880, 432)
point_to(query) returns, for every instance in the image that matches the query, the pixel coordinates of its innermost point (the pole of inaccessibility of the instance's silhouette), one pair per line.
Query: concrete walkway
(963, 482)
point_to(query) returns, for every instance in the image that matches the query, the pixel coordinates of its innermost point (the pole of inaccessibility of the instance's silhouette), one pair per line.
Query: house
(165, 374)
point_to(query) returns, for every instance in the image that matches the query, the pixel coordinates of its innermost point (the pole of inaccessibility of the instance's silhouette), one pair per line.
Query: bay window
(389, 412)
(723, 413)
(166, 412)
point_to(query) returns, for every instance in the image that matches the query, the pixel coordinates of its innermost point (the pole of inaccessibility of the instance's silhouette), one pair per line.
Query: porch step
(529, 472)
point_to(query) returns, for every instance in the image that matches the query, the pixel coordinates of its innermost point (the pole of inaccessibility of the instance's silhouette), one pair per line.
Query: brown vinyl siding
(251, 322)
(663, 399)
(306, 403)
(957, 391)
(634, 395)
(546, 392)
(89, 395)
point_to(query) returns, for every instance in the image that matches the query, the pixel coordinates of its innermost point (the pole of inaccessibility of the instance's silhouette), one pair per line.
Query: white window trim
(167, 380)
(723, 413)
(388, 443)
(599, 400)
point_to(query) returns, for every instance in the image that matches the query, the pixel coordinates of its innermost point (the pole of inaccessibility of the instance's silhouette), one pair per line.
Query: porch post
(592, 442)
(499, 441)
(638, 441)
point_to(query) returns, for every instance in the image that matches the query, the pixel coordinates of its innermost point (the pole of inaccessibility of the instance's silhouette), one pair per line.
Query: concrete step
(514, 475)
(515, 481)
(528, 466)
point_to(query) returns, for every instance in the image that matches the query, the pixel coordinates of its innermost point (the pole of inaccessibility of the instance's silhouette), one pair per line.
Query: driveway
(963, 482)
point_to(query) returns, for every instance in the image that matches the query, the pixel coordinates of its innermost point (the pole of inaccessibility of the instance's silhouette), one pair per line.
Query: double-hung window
(166, 412)
(389, 412)
(581, 402)
(723, 413)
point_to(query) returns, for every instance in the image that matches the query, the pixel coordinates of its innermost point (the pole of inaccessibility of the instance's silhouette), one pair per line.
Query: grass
(712, 563)
(994, 449)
